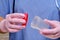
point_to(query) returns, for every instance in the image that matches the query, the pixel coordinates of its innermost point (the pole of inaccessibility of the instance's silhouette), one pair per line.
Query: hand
(14, 22)
(52, 33)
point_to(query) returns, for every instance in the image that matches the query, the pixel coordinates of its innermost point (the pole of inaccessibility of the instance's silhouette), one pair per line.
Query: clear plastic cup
(38, 23)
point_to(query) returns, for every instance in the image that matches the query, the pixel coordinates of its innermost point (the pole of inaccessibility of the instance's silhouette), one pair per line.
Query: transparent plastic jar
(38, 23)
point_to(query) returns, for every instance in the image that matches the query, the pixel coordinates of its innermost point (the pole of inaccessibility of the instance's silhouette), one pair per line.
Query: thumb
(2, 26)
(53, 24)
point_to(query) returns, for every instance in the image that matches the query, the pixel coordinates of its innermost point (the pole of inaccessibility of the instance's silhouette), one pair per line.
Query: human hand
(52, 33)
(14, 22)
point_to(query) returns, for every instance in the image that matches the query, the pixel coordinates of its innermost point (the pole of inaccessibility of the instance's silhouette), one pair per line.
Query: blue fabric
(46, 9)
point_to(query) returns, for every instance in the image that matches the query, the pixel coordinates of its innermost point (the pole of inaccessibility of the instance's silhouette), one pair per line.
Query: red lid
(26, 18)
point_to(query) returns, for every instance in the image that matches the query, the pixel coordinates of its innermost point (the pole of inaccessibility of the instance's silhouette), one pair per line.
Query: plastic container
(38, 23)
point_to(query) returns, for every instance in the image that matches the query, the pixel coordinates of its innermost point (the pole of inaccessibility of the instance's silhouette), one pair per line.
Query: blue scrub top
(46, 9)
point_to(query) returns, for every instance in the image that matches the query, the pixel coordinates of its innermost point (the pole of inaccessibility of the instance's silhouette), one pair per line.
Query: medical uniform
(46, 9)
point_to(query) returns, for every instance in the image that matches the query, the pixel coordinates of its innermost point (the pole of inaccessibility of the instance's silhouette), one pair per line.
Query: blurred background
(4, 36)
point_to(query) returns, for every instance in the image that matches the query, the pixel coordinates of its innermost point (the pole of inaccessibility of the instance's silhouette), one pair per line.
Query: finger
(51, 36)
(16, 15)
(52, 23)
(16, 27)
(18, 21)
(12, 30)
(49, 31)
(55, 36)
(13, 26)
(20, 15)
